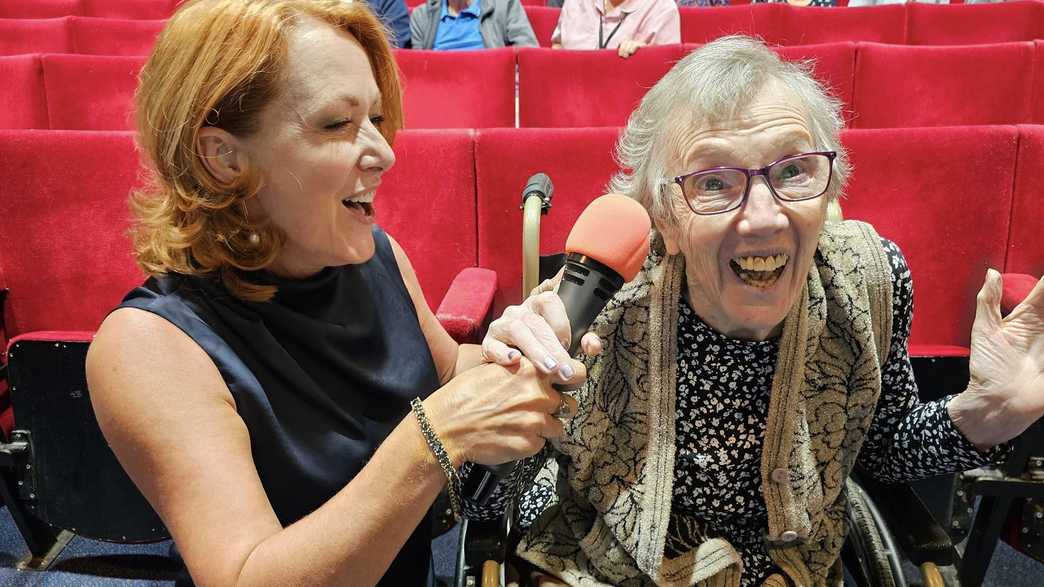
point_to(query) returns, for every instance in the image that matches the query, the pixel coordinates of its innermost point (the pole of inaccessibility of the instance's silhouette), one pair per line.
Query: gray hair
(716, 82)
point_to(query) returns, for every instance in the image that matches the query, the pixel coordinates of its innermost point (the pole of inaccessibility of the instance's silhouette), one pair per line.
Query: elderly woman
(624, 25)
(279, 390)
(759, 355)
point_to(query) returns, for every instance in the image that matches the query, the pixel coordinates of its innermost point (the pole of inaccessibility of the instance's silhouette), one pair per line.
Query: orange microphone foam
(613, 230)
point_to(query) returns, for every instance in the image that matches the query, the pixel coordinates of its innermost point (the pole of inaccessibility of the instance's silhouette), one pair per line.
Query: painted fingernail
(550, 363)
(566, 371)
(512, 355)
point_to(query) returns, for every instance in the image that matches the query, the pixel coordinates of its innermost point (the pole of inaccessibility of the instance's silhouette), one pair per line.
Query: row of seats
(882, 86)
(956, 199)
(778, 24)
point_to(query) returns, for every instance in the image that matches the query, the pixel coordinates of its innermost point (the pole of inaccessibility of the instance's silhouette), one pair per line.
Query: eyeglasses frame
(751, 174)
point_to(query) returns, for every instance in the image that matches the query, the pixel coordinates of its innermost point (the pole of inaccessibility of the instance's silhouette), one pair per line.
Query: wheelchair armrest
(921, 538)
(465, 309)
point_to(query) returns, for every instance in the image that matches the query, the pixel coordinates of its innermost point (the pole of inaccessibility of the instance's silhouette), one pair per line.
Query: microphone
(605, 249)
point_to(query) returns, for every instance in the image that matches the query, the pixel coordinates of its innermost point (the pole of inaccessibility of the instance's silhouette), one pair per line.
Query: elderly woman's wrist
(978, 418)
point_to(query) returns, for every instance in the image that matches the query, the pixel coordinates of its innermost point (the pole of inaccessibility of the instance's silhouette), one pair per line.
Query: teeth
(770, 263)
(366, 198)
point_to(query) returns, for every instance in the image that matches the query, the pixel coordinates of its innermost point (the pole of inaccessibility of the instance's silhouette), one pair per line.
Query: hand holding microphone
(605, 249)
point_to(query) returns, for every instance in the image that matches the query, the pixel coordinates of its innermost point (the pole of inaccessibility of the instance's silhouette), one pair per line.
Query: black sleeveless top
(321, 374)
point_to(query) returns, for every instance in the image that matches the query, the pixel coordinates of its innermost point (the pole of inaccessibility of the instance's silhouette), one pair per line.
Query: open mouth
(760, 272)
(360, 204)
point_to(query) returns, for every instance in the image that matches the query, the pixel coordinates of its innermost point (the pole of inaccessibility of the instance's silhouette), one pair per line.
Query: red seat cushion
(110, 36)
(144, 9)
(38, 8)
(427, 202)
(579, 162)
(587, 88)
(63, 244)
(1025, 252)
(91, 92)
(944, 196)
(702, 24)
(806, 25)
(938, 86)
(931, 24)
(458, 89)
(833, 65)
(543, 19)
(22, 92)
(48, 35)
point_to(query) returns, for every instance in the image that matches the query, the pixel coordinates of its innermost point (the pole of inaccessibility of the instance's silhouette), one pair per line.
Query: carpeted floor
(91, 563)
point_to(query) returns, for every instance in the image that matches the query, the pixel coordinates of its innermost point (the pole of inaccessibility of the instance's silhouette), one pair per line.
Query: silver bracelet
(453, 479)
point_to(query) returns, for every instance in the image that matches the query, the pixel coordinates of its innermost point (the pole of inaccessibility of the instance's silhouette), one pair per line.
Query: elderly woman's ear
(222, 155)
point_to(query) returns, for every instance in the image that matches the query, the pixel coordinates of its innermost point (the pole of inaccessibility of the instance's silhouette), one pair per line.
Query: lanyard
(601, 44)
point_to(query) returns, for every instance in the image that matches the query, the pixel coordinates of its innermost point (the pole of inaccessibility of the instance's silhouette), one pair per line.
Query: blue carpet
(90, 563)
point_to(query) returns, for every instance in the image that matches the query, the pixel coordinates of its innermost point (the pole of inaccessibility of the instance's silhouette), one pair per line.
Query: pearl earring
(254, 238)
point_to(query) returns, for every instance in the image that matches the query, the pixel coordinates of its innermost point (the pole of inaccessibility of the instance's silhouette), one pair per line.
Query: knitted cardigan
(613, 468)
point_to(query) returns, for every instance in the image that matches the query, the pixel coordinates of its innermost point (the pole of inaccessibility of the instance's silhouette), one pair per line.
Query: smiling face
(320, 153)
(745, 269)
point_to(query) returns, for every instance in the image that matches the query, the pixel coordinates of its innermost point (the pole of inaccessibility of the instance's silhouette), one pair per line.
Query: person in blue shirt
(394, 15)
(470, 24)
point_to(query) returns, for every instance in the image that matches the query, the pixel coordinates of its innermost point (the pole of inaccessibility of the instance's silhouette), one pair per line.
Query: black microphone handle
(585, 289)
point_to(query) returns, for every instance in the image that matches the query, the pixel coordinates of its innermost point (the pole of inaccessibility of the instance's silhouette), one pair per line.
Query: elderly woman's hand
(1006, 392)
(628, 48)
(539, 328)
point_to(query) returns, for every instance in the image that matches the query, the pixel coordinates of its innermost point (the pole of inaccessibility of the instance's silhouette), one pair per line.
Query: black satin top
(321, 374)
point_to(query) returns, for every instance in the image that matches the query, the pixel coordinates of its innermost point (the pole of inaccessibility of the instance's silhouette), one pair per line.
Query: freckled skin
(771, 127)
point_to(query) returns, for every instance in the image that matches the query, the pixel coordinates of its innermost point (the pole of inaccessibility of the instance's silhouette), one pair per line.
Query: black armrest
(914, 529)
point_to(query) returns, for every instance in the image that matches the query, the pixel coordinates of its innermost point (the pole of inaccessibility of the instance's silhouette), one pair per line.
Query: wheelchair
(888, 523)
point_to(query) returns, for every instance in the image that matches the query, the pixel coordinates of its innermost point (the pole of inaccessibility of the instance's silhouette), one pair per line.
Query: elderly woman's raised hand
(493, 414)
(1006, 392)
(539, 328)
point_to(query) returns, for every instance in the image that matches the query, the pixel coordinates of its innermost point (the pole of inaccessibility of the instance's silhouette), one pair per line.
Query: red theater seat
(46, 35)
(936, 86)
(587, 88)
(427, 202)
(944, 195)
(833, 65)
(930, 24)
(699, 25)
(91, 92)
(22, 92)
(579, 162)
(38, 8)
(63, 245)
(110, 36)
(805, 25)
(1025, 251)
(144, 9)
(458, 89)
(1038, 79)
(543, 19)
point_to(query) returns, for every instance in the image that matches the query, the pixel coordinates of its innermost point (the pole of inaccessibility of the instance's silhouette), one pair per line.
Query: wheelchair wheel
(871, 553)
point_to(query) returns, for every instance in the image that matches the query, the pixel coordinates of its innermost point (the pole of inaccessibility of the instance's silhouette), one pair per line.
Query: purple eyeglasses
(791, 179)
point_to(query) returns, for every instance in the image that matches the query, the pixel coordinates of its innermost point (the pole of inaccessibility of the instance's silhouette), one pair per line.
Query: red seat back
(63, 245)
(833, 66)
(587, 88)
(543, 19)
(458, 89)
(899, 86)
(931, 24)
(1025, 251)
(944, 195)
(22, 92)
(46, 35)
(579, 162)
(91, 92)
(703, 24)
(144, 9)
(111, 36)
(427, 202)
(38, 8)
(1037, 116)
(806, 25)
